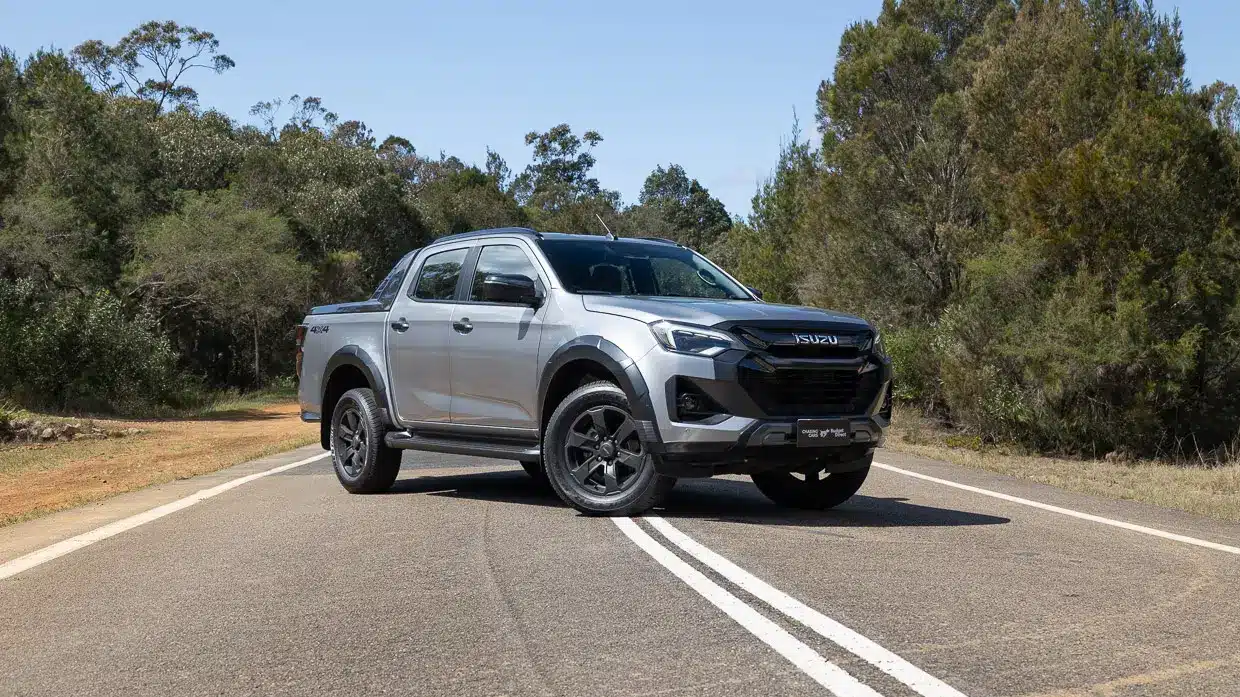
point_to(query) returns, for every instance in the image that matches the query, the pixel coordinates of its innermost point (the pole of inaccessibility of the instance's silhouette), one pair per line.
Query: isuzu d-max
(608, 367)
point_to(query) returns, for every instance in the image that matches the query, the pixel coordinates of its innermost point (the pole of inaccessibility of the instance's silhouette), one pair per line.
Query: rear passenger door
(418, 329)
(495, 346)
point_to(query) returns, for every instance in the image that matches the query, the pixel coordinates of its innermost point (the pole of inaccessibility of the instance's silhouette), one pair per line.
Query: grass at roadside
(1205, 490)
(36, 479)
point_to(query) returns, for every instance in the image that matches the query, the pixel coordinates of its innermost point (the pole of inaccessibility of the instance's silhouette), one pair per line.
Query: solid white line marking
(802, 656)
(915, 678)
(1066, 511)
(46, 554)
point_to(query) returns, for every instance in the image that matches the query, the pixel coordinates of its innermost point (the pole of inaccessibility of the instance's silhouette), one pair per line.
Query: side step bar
(459, 446)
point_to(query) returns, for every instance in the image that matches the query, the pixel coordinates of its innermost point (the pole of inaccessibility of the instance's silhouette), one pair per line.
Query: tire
(609, 472)
(363, 464)
(817, 491)
(534, 468)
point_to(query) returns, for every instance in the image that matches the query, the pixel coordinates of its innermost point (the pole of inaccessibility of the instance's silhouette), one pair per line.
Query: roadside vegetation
(1209, 487)
(1029, 198)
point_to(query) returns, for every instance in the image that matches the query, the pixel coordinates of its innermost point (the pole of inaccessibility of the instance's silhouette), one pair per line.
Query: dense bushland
(1042, 212)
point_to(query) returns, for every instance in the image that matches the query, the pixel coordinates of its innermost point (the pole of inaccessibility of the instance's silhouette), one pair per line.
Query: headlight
(880, 349)
(686, 338)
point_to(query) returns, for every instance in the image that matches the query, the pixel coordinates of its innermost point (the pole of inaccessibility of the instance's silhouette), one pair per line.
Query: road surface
(467, 579)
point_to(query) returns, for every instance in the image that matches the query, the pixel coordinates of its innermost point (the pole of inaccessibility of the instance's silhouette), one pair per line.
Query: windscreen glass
(606, 267)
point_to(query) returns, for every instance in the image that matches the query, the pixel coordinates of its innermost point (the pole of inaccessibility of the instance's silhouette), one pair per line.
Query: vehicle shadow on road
(734, 501)
(714, 499)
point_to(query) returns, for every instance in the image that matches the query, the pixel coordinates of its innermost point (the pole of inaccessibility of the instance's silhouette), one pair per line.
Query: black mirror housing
(510, 288)
(755, 291)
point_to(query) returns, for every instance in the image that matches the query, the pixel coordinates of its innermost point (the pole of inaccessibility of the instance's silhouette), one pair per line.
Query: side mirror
(755, 291)
(510, 288)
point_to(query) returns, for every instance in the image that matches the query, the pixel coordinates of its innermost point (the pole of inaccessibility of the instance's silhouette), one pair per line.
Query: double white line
(822, 671)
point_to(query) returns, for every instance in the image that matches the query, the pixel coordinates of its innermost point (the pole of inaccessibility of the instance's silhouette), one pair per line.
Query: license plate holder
(817, 433)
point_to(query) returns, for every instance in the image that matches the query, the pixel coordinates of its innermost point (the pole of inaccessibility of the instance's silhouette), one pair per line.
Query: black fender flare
(621, 367)
(357, 357)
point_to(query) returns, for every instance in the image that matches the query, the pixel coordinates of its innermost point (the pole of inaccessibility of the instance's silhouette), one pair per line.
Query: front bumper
(748, 438)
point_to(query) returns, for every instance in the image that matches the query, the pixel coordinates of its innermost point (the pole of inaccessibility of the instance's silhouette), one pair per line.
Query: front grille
(812, 351)
(810, 392)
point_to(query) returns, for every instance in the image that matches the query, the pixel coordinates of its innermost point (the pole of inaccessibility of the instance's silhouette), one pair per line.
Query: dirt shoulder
(1212, 491)
(36, 479)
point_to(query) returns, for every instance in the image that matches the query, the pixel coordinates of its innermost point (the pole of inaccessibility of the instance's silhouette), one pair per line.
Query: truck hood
(708, 312)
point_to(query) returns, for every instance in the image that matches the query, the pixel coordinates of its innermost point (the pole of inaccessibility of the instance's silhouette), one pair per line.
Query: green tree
(765, 252)
(166, 49)
(557, 190)
(674, 206)
(1108, 318)
(221, 256)
(896, 213)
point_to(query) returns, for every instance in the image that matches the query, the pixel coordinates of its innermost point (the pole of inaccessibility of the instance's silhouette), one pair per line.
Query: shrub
(83, 353)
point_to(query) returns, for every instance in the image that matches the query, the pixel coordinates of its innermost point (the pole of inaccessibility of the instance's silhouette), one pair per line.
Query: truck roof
(535, 234)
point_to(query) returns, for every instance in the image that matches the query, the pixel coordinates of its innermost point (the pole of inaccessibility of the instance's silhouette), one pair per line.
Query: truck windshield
(632, 267)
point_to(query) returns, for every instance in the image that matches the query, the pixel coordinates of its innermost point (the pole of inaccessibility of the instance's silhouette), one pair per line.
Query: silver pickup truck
(608, 367)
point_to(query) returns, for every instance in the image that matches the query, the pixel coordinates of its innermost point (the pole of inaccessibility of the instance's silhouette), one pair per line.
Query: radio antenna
(610, 235)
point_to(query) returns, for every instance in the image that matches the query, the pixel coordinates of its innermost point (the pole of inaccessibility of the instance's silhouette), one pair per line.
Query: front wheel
(594, 458)
(812, 487)
(363, 463)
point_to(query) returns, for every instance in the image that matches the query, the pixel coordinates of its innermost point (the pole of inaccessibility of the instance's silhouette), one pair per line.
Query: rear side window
(390, 286)
(440, 272)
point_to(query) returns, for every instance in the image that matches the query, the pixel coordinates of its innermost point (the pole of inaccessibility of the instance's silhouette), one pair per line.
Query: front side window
(632, 267)
(439, 275)
(501, 259)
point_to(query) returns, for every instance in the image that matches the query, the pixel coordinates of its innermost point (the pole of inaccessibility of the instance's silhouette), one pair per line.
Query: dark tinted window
(624, 267)
(439, 275)
(390, 285)
(501, 259)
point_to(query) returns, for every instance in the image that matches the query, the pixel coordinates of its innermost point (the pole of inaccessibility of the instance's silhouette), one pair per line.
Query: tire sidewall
(626, 502)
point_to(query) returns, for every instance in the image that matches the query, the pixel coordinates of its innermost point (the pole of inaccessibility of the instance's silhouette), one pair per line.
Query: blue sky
(711, 86)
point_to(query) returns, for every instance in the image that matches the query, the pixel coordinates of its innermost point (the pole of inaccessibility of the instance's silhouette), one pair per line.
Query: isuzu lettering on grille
(829, 339)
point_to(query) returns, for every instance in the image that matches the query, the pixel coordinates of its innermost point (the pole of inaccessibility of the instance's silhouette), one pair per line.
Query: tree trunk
(258, 382)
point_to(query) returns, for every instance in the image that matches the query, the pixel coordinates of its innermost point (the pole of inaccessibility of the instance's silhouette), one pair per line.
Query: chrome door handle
(463, 326)
(400, 325)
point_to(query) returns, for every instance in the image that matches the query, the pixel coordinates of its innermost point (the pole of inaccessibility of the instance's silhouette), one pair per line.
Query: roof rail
(658, 239)
(490, 231)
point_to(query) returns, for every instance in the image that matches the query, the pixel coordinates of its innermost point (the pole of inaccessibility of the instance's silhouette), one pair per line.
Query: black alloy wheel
(603, 452)
(351, 441)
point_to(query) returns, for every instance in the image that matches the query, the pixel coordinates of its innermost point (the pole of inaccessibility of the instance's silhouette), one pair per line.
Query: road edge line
(1133, 527)
(866, 649)
(59, 549)
(819, 669)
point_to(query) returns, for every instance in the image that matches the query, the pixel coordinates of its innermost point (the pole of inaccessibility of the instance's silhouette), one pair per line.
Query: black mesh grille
(812, 351)
(803, 392)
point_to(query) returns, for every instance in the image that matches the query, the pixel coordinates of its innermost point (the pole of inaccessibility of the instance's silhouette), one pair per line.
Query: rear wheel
(813, 487)
(363, 463)
(594, 458)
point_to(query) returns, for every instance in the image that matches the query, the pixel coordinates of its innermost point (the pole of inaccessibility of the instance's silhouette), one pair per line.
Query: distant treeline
(1029, 198)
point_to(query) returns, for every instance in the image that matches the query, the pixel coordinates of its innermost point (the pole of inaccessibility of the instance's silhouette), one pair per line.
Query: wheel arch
(348, 368)
(593, 357)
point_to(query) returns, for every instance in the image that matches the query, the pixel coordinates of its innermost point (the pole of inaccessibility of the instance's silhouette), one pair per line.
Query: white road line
(1066, 511)
(915, 678)
(802, 656)
(46, 554)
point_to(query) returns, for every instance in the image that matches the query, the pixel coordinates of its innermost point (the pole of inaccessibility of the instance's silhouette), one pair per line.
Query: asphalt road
(469, 580)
